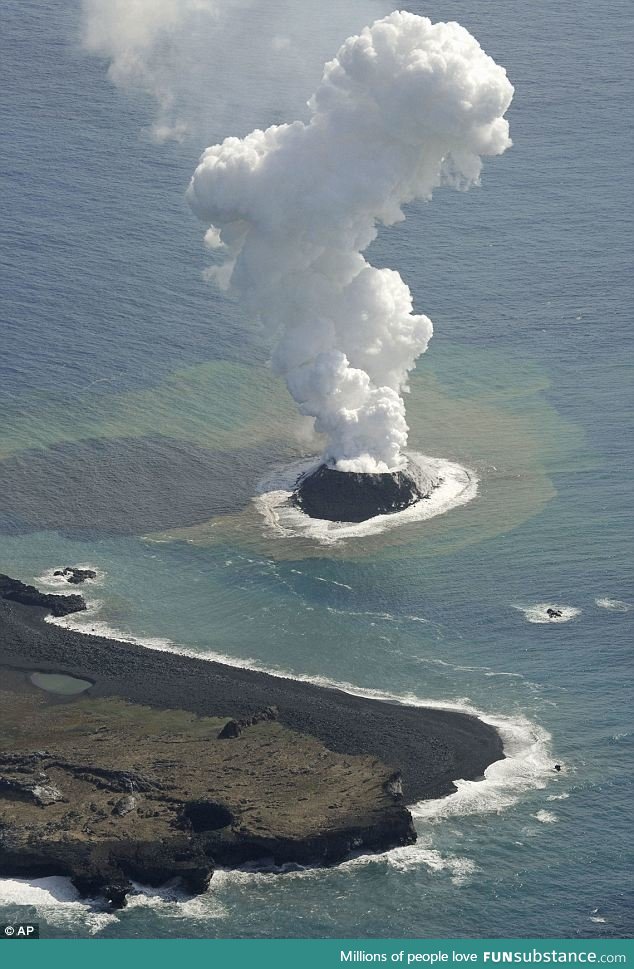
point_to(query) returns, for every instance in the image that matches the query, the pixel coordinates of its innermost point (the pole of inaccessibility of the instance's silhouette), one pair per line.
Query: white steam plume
(214, 66)
(405, 107)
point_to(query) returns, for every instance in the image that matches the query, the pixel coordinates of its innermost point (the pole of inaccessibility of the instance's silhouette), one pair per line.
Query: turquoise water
(128, 385)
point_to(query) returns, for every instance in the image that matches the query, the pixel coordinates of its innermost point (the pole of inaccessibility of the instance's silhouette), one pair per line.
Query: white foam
(60, 583)
(384, 616)
(42, 891)
(57, 901)
(614, 605)
(537, 613)
(456, 486)
(407, 858)
(460, 869)
(85, 622)
(341, 585)
(170, 901)
(527, 766)
(546, 817)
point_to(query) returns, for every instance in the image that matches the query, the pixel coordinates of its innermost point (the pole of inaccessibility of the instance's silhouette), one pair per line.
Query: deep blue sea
(138, 414)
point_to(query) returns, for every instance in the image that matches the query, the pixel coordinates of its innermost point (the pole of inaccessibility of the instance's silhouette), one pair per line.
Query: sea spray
(405, 107)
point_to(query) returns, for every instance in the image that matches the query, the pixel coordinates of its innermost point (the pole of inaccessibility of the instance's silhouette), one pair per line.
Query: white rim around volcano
(456, 486)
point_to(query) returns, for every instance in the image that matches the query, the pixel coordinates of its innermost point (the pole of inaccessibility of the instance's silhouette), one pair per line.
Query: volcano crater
(349, 496)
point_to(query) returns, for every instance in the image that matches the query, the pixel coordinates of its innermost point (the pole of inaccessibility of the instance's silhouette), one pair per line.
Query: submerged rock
(74, 575)
(349, 496)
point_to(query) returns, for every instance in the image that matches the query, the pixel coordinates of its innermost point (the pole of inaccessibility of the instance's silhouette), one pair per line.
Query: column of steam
(404, 108)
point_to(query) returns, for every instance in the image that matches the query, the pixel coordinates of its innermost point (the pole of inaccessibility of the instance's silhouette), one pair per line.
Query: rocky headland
(168, 765)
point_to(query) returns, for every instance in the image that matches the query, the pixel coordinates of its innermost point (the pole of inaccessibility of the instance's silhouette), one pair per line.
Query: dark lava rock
(74, 575)
(233, 728)
(28, 595)
(394, 786)
(230, 731)
(117, 893)
(348, 496)
(29, 789)
(109, 882)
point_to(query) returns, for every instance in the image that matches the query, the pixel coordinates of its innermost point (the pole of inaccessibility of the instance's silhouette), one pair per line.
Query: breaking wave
(546, 817)
(456, 486)
(614, 605)
(538, 613)
(56, 901)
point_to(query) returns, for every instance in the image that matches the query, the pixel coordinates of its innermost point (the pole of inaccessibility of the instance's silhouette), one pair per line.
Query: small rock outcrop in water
(28, 595)
(348, 496)
(74, 575)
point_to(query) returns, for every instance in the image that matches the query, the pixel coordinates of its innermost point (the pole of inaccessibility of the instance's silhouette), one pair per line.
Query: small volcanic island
(120, 763)
(348, 496)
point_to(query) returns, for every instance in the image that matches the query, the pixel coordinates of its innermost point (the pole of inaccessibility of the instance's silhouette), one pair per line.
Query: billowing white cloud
(214, 66)
(406, 106)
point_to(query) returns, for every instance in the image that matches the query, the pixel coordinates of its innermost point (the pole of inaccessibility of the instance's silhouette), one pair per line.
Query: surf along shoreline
(415, 752)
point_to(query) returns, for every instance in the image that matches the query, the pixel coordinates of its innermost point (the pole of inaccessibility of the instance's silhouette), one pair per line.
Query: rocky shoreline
(219, 764)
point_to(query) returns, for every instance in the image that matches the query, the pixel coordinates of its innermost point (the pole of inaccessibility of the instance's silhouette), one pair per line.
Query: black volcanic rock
(349, 496)
(233, 728)
(28, 595)
(74, 575)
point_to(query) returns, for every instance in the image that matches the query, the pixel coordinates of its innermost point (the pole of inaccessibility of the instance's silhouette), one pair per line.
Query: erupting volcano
(405, 107)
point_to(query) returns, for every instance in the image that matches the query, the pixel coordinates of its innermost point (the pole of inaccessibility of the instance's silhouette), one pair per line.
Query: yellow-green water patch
(503, 428)
(216, 405)
(478, 407)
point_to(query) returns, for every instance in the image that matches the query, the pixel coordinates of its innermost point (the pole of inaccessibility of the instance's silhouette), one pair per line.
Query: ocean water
(139, 416)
